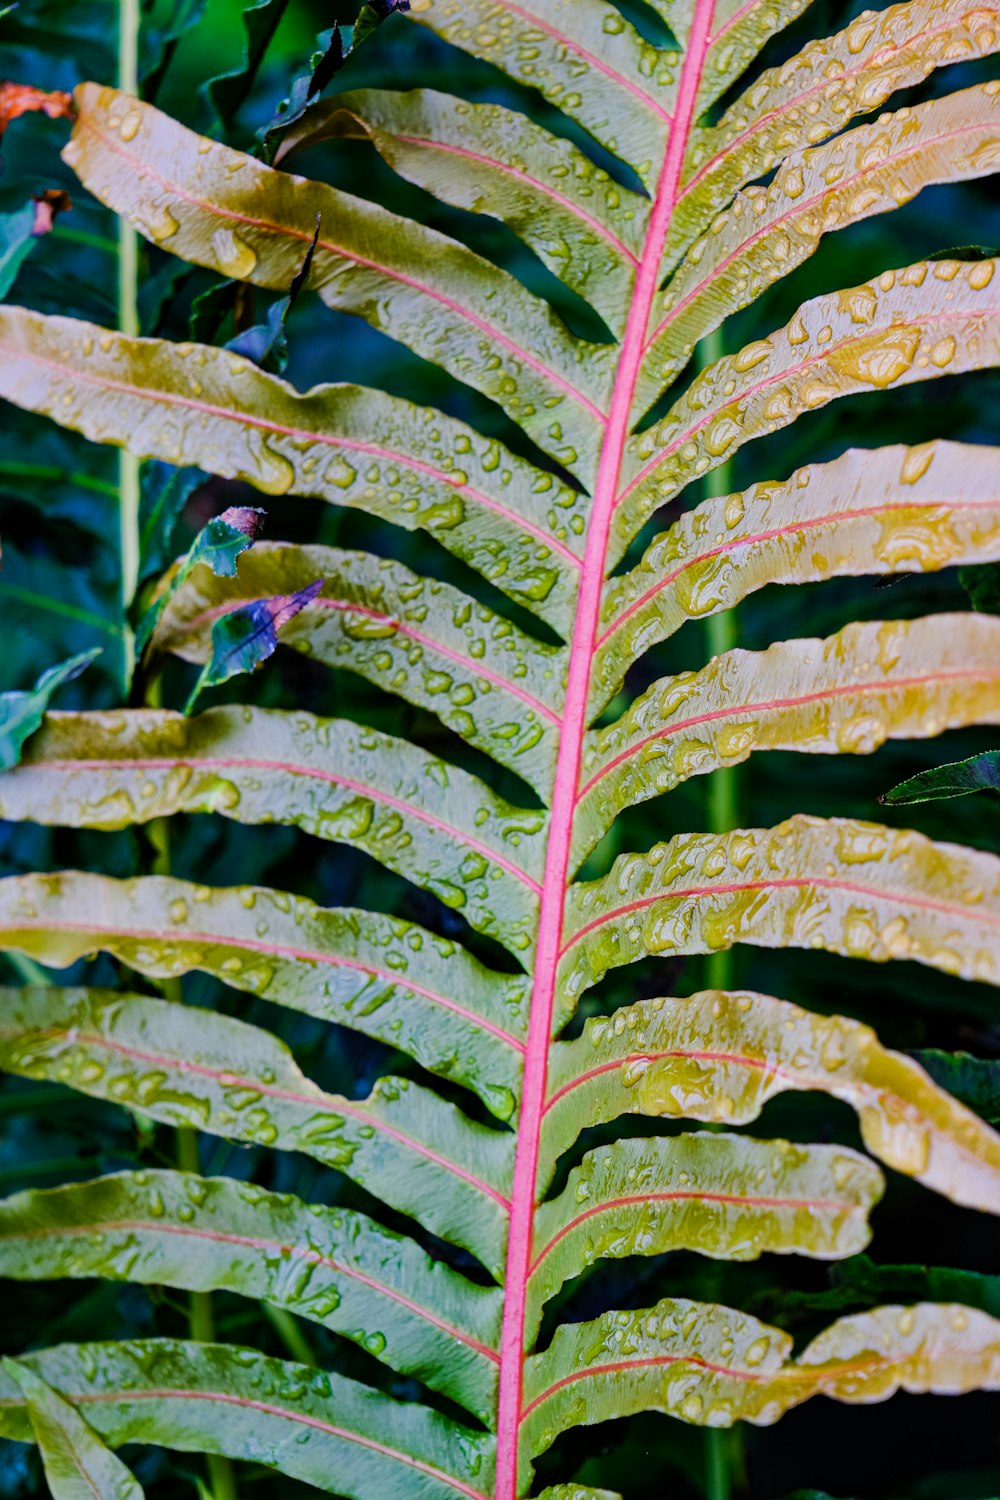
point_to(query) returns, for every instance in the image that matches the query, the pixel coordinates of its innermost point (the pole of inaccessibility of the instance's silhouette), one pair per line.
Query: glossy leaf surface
(720, 1057)
(473, 874)
(331, 1266)
(78, 1466)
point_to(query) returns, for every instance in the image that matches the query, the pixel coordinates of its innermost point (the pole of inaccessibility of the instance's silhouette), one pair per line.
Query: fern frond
(918, 323)
(78, 1466)
(339, 443)
(477, 1143)
(839, 884)
(849, 693)
(426, 820)
(403, 1143)
(332, 1266)
(413, 283)
(815, 94)
(719, 1057)
(879, 511)
(217, 1398)
(585, 227)
(715, 1365)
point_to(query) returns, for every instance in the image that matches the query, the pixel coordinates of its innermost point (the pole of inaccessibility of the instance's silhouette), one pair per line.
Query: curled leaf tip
(247, 519)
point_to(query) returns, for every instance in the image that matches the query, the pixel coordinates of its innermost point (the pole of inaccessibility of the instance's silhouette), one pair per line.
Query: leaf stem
(722, 803)
(201, 1323)
(201, 1320)
(291, 1335)
(128, 322)
(717, 1486)
(722, 811)
(29, 971)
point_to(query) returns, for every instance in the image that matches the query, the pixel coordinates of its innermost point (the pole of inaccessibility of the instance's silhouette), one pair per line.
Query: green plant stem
(722, 803)
(290, 1334)
(128, 322)
(201, 1320)
(717, 1486)
(29, 971)
(722, 811)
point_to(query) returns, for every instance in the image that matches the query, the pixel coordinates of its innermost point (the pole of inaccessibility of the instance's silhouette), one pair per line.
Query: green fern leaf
(536, 735)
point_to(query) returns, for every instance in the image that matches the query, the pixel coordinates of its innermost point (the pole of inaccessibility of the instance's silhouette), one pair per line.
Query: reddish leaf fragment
(248, 519)
(22, 98)
(47, 205)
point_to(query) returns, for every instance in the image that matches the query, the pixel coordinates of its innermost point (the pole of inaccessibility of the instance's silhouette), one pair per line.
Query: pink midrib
(400, 627)
(300, 434)
(290, 768)
(252, 1242)
(886, 685)
(272, 950)
(575, 721)
(226, 1079)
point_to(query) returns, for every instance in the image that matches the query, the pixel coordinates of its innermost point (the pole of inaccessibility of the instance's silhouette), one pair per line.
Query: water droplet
(880, 360)
(235, 256)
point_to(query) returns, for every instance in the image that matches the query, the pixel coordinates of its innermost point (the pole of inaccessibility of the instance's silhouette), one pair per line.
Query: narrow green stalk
(201, 1320)
(717, 1486)
(128, 322)
(29, 971)
(290, 1334)
(722, 810)
(201, 1323)
(721, 634)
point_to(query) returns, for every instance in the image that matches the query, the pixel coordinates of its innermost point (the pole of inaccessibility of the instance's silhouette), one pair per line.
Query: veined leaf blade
(979, 773)
(550, 45)
(719, 1057)
(713, 1366)
(925, 320)
(21, 712)
(245, 637)
(767, 232)
(725, 1196)
(881, 511)
(379, 975)
(330, 1265)
(343, 1437)
(586, 228)
(342, 443)
(189, 1067)
(77, 1464)
(418, 286)
(412, 636)
(841, 884)
(814, 95)
(430, 822)
(870, 682)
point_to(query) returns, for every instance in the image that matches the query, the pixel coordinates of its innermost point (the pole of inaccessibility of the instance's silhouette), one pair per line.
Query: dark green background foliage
(58, 597)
